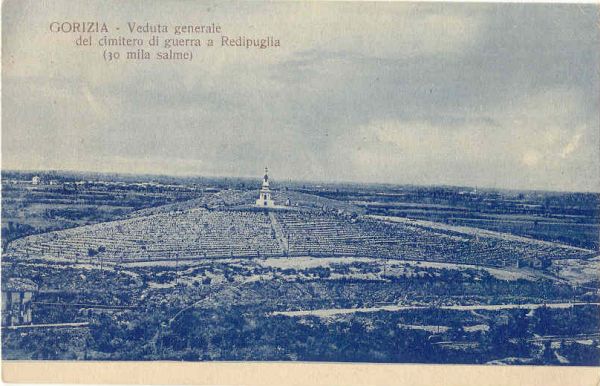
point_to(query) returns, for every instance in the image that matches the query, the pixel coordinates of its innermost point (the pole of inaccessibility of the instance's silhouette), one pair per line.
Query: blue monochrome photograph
(366, 182)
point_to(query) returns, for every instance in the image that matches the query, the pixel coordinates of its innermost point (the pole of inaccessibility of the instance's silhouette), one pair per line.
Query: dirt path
(329, 312)
(50, 325)
(281, 239)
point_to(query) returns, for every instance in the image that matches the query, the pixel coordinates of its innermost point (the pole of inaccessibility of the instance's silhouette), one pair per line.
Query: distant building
(264, 197)
(17, 294)
(35, 180)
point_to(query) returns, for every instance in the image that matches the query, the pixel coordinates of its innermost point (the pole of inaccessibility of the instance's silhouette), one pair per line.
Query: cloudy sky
(487, 95)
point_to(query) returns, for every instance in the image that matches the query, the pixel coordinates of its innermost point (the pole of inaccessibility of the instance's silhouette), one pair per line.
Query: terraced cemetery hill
(225, 226)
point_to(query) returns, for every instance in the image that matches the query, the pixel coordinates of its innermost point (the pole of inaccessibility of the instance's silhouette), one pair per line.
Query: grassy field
(570, 218)
(31, 209)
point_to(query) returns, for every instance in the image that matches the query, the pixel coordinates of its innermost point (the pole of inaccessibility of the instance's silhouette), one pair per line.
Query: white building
(264, 196)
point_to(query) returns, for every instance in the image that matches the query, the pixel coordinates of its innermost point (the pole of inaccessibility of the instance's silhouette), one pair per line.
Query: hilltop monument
(264, 197)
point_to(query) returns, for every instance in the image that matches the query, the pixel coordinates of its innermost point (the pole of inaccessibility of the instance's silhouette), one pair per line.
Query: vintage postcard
(241, 192)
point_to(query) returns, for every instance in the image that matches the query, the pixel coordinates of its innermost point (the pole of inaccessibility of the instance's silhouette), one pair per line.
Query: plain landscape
(125, 267)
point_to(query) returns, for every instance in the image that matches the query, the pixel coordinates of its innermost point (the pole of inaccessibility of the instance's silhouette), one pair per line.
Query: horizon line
(331, 182)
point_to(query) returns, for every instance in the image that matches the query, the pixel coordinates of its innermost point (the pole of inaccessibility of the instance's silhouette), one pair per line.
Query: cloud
(531, 158)
(475, 94)
(571, 146)
(528, 145)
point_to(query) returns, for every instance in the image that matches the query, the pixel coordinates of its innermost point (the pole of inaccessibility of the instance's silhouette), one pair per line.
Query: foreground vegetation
(223, 310)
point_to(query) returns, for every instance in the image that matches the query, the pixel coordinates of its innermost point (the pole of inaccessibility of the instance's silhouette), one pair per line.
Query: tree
(542, 320)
